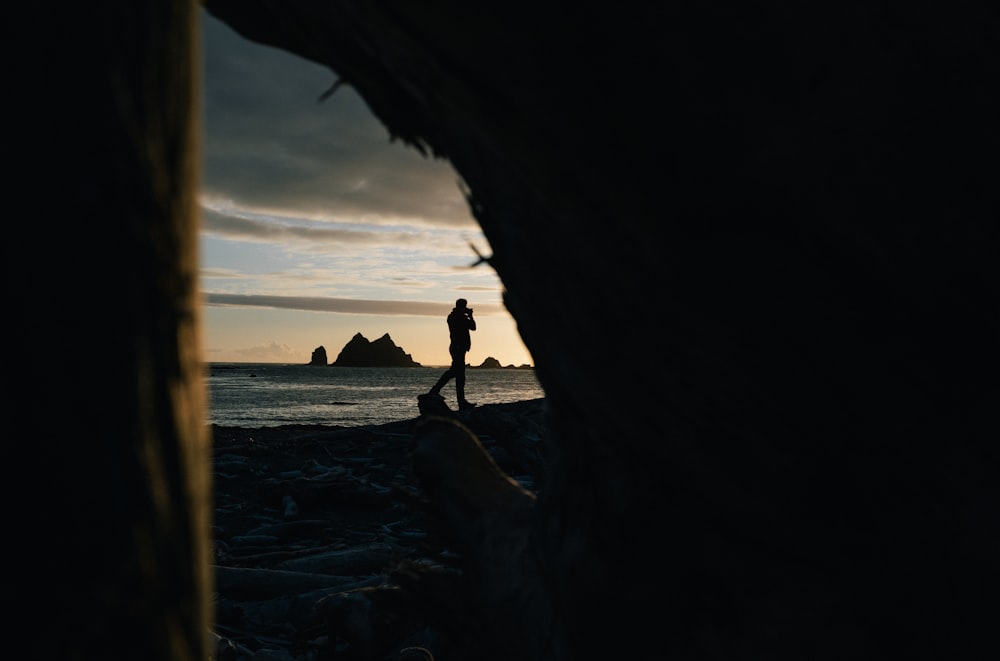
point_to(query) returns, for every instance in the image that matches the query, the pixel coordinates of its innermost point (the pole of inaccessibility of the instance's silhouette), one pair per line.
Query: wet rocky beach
(325, 547)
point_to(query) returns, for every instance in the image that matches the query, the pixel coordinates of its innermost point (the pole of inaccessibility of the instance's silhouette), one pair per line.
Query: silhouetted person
(460, 322)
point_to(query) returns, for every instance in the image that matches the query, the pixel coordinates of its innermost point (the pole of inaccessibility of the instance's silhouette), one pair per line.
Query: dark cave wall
(792, 210)
(109, 456)
(777, 225)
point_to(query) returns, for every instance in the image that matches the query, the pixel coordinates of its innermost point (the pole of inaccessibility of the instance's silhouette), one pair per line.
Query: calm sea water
(267, 394)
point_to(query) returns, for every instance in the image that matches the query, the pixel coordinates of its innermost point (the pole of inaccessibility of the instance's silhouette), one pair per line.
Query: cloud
(224, 220)
(269, 141)
(343, 305)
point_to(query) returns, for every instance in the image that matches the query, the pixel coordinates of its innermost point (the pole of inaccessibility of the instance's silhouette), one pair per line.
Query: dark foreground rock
(325, 547)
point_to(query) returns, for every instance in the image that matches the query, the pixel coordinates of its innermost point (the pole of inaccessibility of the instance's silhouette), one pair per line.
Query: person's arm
(472, 322)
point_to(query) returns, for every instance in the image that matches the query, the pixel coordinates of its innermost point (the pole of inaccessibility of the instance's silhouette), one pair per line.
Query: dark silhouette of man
(460, 322)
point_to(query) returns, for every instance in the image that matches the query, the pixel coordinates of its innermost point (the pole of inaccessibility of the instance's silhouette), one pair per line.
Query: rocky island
(492, 363)
(383, 352)
(360, 352)
(319, 357)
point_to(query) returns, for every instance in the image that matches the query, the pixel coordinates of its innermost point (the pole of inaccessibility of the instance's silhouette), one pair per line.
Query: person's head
(461, 303)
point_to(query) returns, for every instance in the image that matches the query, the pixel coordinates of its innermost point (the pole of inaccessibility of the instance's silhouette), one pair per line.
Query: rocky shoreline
(325, 547)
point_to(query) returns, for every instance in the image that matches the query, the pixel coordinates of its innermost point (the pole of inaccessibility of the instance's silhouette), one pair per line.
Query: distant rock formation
(319, 356)
(383, 352)
(493, 363)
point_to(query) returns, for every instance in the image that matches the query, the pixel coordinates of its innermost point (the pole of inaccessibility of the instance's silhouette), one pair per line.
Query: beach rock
(364, 569)
(383, 352)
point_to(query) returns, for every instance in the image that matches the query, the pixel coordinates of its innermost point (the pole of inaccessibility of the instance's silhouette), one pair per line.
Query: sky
(316, 225)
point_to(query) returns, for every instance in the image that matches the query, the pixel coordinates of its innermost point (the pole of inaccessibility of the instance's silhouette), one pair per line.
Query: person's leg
(458, 369)
(457, 364)
(460, 384)
(436, 390)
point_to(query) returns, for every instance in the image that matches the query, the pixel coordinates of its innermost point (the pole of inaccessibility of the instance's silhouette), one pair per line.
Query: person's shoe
(435, 394)
(463, 405)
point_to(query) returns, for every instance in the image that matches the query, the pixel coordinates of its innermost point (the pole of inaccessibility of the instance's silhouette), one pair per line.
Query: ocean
(256, 395)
